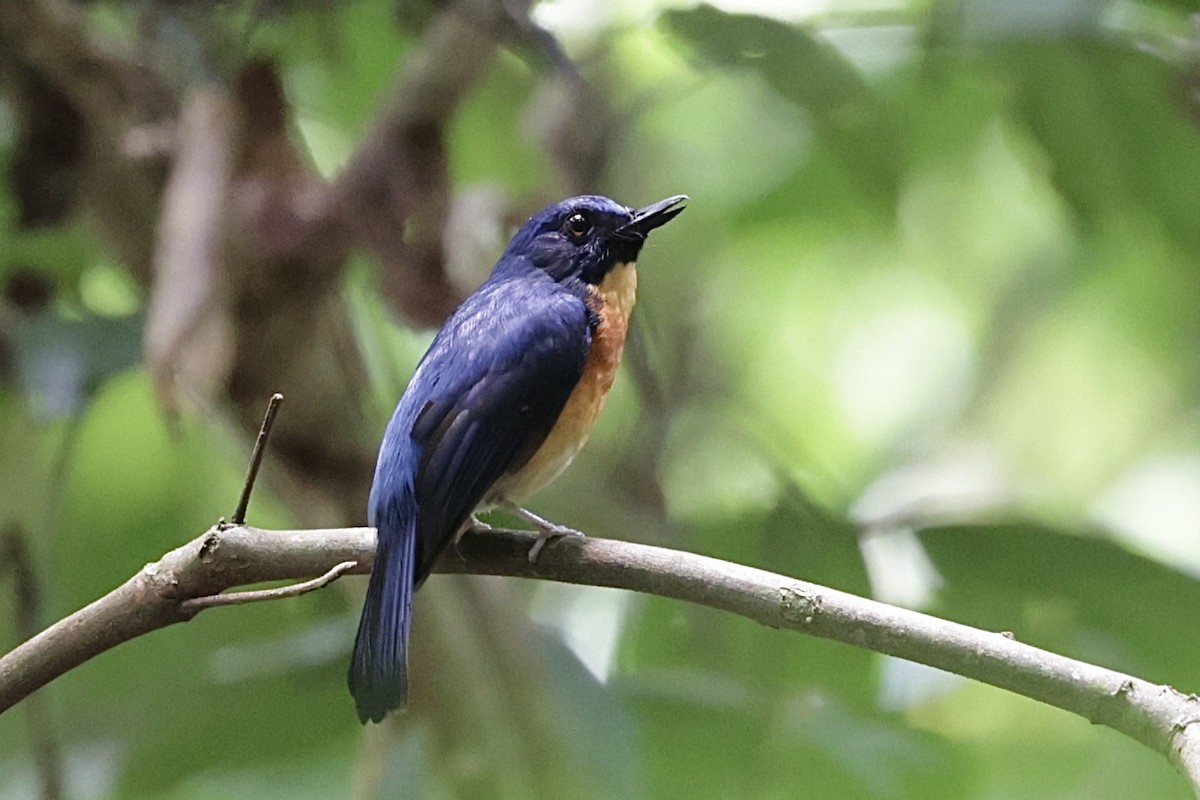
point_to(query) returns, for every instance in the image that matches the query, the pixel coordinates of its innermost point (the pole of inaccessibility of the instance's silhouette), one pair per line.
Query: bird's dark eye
(577, 227)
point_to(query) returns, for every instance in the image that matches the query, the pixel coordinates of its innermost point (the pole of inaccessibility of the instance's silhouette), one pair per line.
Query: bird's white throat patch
(619, 289)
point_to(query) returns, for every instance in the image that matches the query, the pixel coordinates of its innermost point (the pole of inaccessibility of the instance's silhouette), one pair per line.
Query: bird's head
(585, 237)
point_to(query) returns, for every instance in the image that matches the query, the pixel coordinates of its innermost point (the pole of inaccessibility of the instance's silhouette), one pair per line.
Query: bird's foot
(476, 525)
(548, 533)
(473, 525)
(547, 530)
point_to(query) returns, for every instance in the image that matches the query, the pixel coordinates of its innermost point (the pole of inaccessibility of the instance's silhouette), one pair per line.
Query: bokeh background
(929, 331)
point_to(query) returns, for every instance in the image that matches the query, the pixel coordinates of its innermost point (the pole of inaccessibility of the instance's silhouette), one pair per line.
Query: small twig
(260, 447)
(198, 604)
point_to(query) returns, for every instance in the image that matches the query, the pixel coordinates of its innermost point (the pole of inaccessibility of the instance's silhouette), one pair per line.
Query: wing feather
(497, 378)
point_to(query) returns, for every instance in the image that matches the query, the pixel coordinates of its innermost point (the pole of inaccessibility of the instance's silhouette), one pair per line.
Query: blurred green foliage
(928, 331)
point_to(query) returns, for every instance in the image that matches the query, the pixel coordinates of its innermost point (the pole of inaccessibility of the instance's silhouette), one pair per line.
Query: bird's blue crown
(584, 237)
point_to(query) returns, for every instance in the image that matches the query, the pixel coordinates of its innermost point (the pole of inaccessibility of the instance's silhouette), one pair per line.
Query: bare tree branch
(256, 457)
(1158, 716)
(198, 604)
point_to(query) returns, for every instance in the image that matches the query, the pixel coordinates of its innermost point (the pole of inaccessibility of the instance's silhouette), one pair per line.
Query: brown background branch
(1157, 716)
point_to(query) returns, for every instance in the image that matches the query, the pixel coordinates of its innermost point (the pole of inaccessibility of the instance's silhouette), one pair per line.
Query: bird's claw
(547, 530)
(546, 534)
(473, 525)
(476, 525)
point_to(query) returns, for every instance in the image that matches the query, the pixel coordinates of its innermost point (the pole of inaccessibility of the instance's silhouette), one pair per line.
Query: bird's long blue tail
(378, 674)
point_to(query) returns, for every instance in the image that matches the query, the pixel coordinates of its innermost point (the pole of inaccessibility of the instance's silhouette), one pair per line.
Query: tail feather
(378, 674)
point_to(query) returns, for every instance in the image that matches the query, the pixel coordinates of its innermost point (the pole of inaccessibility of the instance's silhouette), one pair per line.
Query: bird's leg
(473, 524)
(547, 530)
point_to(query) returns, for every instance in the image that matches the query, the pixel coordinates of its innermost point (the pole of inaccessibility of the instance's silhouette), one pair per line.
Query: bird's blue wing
(482, 401)
(491, 389)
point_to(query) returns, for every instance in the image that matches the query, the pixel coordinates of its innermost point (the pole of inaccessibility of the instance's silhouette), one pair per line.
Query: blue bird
(498, 407)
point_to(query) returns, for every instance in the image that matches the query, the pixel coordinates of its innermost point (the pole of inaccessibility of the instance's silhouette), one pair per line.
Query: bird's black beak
(654, 215)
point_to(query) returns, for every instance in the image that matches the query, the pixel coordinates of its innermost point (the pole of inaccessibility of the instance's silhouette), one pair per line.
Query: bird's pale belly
(612, 301)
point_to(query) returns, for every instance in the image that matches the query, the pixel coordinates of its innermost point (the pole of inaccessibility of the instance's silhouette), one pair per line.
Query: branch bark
(1158, 716)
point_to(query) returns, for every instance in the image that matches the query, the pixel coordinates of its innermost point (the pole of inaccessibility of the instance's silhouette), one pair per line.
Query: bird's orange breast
(612, 303)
